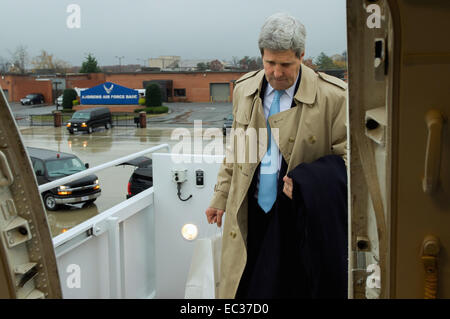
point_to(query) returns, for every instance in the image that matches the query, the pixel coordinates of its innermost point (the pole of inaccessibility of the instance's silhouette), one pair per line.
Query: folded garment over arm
(320, 201)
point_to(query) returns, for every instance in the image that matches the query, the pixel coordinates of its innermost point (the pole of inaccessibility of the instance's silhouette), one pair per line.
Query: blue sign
(109, 93)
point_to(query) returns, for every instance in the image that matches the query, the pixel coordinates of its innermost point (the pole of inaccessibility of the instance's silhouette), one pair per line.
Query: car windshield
(30, 96)
(230, 117)
(81, 115)
(64, 167)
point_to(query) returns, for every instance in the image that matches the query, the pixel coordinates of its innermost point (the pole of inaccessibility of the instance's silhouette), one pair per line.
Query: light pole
(120, 62)
(56, 93)
(143, 61)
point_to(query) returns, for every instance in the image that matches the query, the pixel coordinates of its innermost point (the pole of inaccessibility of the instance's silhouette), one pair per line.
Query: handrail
(89, 171)
(435, 120)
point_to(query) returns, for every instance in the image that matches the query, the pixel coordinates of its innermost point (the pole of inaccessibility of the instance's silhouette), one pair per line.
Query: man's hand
(288, 186)
(214, 216)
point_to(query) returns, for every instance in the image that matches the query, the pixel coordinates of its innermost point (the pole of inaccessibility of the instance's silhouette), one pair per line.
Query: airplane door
(27, 260)
(399, 95)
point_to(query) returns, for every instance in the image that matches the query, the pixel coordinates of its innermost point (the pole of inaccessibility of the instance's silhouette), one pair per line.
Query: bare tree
(4, 65)
(244, 62)
(62, 66)
(259, 62)
(216, 65)
(235, 62)
(19, 59)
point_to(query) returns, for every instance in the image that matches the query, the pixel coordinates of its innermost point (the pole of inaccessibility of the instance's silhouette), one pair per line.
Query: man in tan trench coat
(310, 125)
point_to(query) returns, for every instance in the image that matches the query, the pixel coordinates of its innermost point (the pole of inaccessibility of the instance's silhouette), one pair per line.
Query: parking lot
(180, 114)
(106, 145)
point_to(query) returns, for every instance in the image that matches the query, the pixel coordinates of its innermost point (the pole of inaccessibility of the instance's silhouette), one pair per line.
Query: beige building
(164, 61)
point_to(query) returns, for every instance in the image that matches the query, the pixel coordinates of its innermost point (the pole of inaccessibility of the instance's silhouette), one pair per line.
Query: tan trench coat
(314, 128)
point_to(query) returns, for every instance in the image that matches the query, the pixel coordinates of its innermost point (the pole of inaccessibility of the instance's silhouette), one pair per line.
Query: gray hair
(280, 32)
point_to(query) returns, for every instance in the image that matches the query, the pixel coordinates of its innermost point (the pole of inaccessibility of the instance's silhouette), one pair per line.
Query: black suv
(88, 119)
(50, 165)
(31, 99)
(142, 177)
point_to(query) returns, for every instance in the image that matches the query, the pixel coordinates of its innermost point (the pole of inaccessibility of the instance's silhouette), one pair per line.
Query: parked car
(49, 165)
(31, 99)
(142, 177)
(227, 124)
(87, 120)
(59, 100)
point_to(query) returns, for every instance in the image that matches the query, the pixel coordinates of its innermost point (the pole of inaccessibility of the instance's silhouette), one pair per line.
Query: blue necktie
(268, 177)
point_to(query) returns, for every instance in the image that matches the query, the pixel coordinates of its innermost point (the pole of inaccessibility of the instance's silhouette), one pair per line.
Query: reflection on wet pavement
(69, 216)
(184, 114)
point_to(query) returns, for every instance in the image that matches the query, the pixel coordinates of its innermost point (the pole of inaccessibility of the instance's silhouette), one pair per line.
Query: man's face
(281, 68)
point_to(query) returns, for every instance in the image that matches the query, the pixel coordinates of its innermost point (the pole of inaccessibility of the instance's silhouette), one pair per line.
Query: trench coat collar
(306, 92)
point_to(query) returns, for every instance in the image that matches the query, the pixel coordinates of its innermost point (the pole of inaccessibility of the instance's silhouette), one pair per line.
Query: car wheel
(50, 202)
(108, 126)
(71, 131)
(31, 103)
(90, 129)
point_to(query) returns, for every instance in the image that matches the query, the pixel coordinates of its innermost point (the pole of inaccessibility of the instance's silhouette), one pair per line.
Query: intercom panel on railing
(183, 187)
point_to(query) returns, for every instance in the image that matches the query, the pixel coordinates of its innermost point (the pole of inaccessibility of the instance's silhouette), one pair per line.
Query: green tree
(153, 96)
(68, 96)
(90, 65)
(324, 62)
(202, 66)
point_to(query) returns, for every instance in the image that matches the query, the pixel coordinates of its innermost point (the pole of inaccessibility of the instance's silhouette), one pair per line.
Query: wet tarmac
(180, 114)
(99, 147)
(184, 114)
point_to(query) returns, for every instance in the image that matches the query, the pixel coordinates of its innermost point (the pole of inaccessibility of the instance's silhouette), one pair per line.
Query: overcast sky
(142, 29)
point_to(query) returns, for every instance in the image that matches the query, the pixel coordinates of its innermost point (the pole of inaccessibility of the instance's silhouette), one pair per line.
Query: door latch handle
(430, 251)
(434, 120)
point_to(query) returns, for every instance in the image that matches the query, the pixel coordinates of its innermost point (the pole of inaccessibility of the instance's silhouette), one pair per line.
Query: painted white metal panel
(139, 255)
(173, 252)
(114, 252)
(90, 262)
(135, 249)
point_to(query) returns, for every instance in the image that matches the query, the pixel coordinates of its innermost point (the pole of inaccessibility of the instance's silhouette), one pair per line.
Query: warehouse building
(191, 86)
(187, 86)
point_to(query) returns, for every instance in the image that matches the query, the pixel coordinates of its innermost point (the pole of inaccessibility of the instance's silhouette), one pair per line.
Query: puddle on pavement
(69, 216)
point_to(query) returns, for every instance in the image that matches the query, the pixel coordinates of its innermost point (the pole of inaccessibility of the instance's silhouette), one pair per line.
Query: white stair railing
(110, 255)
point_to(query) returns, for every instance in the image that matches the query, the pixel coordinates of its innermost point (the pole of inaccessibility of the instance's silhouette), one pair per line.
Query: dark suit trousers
(258, 222)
